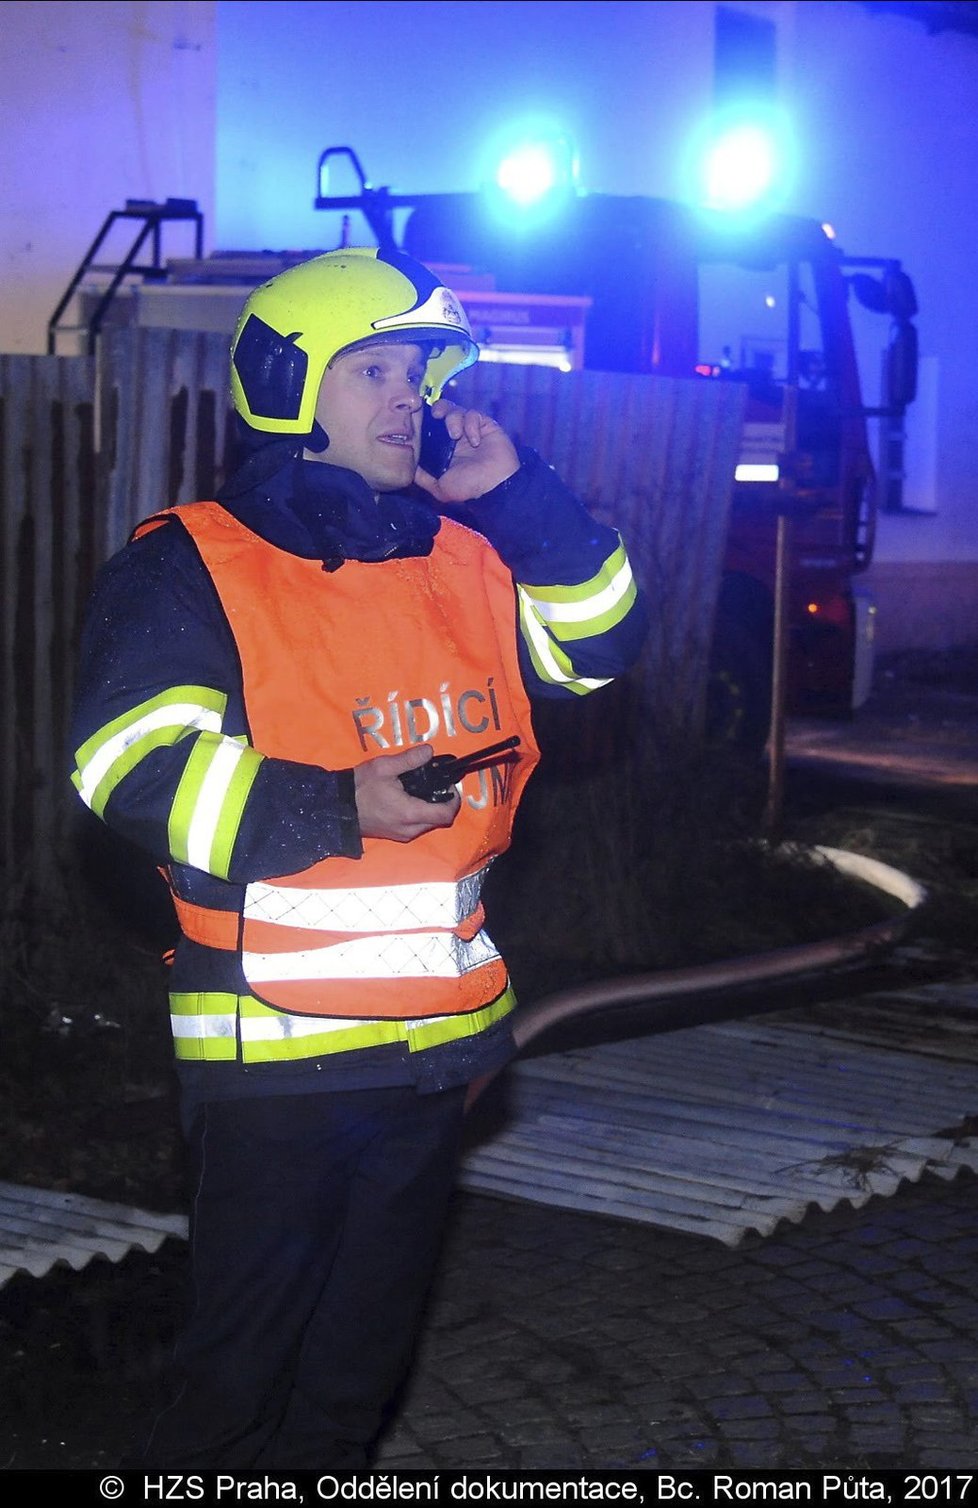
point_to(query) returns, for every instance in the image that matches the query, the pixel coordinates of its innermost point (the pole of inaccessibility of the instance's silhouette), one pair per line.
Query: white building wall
(892, 117)
(99, 103)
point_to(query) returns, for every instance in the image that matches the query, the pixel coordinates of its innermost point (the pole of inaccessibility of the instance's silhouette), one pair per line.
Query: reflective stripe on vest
(390, 955)
(368, 908)
(207, 1027)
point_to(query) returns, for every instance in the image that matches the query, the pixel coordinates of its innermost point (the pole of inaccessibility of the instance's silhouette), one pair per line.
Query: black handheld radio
(436, 780)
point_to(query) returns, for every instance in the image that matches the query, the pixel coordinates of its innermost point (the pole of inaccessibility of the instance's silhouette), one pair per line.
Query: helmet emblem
(450, 310)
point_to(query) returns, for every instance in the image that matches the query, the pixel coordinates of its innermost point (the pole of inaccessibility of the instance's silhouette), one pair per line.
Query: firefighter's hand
(384, 807)
(484, 456)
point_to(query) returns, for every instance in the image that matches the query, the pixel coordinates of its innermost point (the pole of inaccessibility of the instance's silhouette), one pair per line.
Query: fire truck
(643, 285)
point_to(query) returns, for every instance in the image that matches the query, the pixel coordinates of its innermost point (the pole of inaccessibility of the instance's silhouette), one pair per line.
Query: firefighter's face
(370, 407)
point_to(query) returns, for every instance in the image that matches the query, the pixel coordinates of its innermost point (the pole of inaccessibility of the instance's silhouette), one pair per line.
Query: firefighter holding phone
(261, 676)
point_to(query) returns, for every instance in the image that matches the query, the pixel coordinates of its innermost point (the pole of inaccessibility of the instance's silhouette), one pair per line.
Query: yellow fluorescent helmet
(291, 328)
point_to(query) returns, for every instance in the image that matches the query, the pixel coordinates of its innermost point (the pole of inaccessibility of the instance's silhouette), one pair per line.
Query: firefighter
(257, 673)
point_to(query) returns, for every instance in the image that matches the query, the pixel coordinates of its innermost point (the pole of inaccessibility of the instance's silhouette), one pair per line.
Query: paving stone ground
(557, 1340)
(560, 1340)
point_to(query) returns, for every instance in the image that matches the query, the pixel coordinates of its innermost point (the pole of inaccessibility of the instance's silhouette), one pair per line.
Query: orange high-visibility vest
(338, 668)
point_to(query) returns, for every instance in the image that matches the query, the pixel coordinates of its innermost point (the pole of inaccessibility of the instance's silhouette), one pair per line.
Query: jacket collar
(327, 513)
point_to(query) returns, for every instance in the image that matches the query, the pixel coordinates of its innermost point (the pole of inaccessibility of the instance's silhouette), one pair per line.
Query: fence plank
(47, 481)
(164, 397)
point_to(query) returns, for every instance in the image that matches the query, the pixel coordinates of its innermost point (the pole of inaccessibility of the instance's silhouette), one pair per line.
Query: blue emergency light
(744, 161)
(536, 170)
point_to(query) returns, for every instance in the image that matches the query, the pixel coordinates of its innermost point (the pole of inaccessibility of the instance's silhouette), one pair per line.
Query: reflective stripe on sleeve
(110, 754)
(549, 661)
(593, 607)
(370, 908)
(209, 802)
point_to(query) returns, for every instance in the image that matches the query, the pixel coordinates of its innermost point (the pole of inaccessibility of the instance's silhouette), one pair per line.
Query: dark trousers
(315, 1227)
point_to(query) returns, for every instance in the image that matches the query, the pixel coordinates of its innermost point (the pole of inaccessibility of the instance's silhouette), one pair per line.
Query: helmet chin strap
(318, 439)
(262, 455)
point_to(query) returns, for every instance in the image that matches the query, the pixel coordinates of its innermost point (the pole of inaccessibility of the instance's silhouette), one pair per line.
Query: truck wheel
(738, 695)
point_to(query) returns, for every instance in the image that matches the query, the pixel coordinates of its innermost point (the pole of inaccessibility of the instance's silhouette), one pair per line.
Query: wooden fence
(90, 445)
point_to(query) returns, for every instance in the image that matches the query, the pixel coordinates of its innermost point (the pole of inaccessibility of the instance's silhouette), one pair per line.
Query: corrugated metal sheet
(725, 1129)
(41, 1227)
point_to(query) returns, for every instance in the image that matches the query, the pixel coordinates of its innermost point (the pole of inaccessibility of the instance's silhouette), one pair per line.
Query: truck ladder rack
(150, 218)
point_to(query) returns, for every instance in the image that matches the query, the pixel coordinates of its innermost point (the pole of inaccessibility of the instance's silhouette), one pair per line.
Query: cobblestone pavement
(561, 1340)
(558, 1340)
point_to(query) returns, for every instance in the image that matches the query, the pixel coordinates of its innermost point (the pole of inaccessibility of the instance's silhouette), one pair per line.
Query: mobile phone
(437, 445)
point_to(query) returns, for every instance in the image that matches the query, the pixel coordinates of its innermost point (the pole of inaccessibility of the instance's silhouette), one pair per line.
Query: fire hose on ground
(657, 992)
